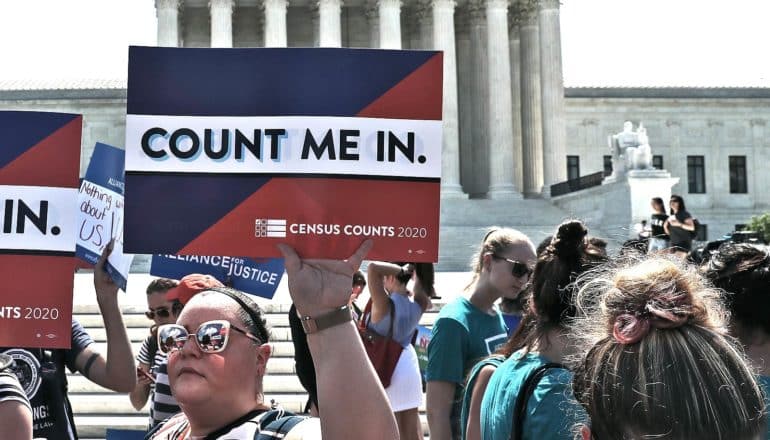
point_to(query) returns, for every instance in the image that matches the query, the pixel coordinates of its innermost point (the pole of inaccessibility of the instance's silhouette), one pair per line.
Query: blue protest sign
(100, 212)
(256, 277)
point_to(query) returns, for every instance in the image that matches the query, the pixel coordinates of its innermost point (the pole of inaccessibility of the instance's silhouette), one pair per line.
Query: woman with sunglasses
(655, 361)
(680, 227)
(530, 364)
(394, 306)
(472, 328)
(218, 352)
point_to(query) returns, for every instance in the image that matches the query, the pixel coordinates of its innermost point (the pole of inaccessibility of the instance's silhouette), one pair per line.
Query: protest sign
(260, 277)
(100, 212)
(39, 165)
(316, 148)
(421, 342)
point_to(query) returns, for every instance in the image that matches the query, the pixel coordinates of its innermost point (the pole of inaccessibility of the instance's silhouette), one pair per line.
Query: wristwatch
(337, 316)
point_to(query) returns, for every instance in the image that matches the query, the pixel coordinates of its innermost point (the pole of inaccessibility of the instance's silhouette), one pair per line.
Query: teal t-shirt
(764, 381)
(494, 361)
(551, 412)
(461, 336)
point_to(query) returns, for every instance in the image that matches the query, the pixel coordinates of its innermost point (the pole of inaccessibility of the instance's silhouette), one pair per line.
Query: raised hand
(320, 286)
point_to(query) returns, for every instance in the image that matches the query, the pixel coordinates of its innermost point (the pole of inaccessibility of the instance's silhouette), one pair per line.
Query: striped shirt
(10, 389)
(163, 404)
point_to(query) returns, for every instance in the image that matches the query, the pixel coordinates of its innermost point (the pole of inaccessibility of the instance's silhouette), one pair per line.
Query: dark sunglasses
(518, 269)
(211, 336)
(161, 312)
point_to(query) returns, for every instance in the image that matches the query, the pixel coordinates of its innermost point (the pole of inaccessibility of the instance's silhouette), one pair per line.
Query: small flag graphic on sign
(275, 228)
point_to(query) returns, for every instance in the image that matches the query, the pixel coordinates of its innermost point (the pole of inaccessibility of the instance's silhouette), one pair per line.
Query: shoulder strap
(527, 389)
(276, 424)
(366, 316)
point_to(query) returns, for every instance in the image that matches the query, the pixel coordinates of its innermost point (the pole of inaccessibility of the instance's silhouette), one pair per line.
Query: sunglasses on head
(161, 312)
(518, 269)
(211, 336)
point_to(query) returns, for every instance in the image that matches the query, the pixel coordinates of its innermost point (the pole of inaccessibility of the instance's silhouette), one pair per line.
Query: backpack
(276, 424)
(527, 389)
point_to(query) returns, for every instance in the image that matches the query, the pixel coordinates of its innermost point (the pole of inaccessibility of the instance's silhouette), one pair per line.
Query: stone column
(531, 125)
(444, 39)
(221, 23)
(514, 41)
(465, 69)
(168, 22)
(552, 96)
(479, 98)
(425, 23)
(500, 118)
(371, 11)
(275, 22)
(390, 24)
(329, 24)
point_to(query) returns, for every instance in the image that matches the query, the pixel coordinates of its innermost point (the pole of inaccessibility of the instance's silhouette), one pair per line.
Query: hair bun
(569, 239)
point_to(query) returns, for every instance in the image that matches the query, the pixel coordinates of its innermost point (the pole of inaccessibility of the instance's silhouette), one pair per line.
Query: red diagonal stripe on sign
(343, 201)
(54, 161)
(417, 96)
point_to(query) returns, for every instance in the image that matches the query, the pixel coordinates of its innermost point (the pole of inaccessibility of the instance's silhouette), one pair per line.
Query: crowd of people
(641, 345)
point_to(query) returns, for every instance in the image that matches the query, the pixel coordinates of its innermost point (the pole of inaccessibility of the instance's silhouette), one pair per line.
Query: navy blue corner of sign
(158, 221)
(19, 131)
(263, 81)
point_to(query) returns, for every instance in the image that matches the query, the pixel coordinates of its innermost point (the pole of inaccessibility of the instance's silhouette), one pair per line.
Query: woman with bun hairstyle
(743, 272)
(655, 361)
(394, 306)
(471, 328)
(535, 353)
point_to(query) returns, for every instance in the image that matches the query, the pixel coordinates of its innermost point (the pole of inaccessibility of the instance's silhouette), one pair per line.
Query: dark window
(702, 233)
(607, 165)
(738, 175)
(739, 227)
(696, 175)
(573, 167)
(657, 162)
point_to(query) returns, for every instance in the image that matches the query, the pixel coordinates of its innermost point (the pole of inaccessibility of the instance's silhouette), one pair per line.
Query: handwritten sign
(39, 164)
(421, 347)
(257, 148)
(256, 277)
(100, 209)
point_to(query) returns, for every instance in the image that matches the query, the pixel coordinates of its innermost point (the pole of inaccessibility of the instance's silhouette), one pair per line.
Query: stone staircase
(97, 409)
(464, 223)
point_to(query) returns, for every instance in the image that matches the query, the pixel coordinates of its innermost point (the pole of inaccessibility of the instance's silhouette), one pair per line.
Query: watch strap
(337, 316)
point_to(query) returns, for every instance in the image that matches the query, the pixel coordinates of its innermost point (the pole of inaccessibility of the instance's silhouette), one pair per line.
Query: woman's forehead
(208, 308)
(520, 251)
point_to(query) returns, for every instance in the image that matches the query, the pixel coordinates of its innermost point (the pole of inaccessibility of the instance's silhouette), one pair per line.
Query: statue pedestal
(626, 201)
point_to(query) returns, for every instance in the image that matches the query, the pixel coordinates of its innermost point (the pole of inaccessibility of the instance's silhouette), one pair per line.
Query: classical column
(329, 25)
(221, 23)
(390, 24)
(552, 96)
(514, 41)
(479, 92)
(444, 39)
(500, 118)
(465, 68)
(425, 23)
(531, 125)
(168, 22)
(275, 22)
(371, 12)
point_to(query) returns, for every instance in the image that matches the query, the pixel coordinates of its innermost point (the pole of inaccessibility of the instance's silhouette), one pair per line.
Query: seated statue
(630, 150)
(640, 157)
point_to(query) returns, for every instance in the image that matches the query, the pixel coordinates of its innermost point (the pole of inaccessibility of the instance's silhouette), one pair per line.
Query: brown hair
(496, 241)
(160, 285)
(655, 359)
(549, 296)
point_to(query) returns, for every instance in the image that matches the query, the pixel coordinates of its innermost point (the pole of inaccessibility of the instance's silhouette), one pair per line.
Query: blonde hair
(656, 361)
(496, 241)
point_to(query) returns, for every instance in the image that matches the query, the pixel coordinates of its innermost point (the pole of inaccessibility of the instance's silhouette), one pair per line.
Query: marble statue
(630, 150)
